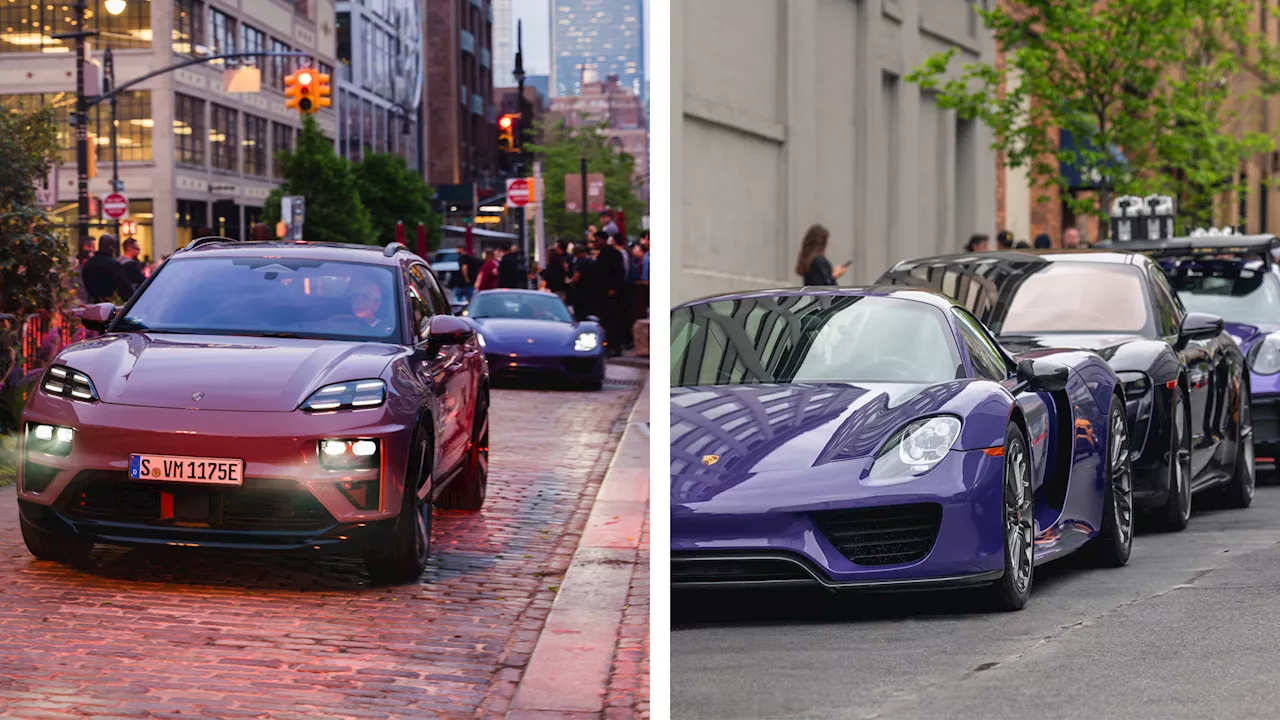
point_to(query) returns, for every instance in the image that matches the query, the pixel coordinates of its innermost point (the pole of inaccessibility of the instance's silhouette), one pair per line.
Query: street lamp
(115, 7)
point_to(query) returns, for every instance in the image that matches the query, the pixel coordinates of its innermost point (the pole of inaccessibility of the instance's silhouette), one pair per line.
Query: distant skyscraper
(504, 44)
(605, 35)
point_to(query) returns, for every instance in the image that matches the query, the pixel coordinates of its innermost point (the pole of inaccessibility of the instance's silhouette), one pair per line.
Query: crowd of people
(602, 275)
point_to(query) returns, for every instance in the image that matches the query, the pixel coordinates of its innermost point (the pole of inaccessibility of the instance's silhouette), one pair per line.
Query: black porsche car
(1185, 380)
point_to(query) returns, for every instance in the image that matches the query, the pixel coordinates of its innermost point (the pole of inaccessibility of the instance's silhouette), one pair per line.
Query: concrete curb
(568, 673)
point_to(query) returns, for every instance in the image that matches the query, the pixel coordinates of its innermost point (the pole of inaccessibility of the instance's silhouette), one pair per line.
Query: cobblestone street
(195, 634)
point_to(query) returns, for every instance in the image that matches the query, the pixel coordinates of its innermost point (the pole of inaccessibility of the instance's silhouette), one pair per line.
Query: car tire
(1112, 546)
(1244, 478)
(1174, 515)
(403, 556)
(594, 385)
(469, 489)
(66, 549)
(1017, 509)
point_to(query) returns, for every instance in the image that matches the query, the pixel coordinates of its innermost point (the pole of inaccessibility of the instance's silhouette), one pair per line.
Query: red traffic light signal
(505, 122)
(506, 133)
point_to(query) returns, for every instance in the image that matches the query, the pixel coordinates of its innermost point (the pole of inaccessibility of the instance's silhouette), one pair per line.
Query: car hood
(1105, 344)
(230, 373)
(507, 332)
(724, 435)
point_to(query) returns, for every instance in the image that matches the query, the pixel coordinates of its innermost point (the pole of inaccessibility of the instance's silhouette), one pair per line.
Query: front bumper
(824, 526)
(287, 500)
(580, 367)
(1266, 421)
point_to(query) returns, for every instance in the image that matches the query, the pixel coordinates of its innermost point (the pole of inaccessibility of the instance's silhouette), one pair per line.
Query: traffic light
(506, 133)
(300, 89)
(322, 91)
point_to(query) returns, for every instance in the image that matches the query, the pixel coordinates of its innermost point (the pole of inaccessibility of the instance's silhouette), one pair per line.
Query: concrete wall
(791, 112)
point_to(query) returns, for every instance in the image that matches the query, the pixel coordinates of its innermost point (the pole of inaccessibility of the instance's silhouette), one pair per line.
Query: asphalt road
(188, 634)
(1187, 630)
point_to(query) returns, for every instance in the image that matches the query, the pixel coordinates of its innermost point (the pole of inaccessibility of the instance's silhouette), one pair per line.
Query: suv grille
(888, 535)
(258, 504)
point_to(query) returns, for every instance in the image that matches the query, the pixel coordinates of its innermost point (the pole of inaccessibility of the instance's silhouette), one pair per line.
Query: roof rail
(393, 248)
(205, 241)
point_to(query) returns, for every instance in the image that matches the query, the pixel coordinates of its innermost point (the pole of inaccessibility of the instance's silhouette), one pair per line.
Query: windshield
(269, 297)
(1230, 290)
(521, 306)
(811, 338)
(1075, 297)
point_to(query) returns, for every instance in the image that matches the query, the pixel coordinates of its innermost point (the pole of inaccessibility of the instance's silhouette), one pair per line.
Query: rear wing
(1204, 247)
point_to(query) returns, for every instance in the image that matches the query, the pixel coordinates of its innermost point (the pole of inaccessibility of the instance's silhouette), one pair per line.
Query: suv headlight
(915, 449)
(1264, 356)
(62, 381)
(351, 395)
(586, 342)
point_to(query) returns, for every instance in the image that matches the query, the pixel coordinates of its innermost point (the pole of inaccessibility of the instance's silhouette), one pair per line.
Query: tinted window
(420, 303)
(1238, 294)
(1169, 317)
(811, 338)
(1076, 297)
(525, 306)
(434, 294)
(269, 296)
(987, 360)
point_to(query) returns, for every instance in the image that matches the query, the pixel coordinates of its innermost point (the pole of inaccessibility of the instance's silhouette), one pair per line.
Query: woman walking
(812, 265)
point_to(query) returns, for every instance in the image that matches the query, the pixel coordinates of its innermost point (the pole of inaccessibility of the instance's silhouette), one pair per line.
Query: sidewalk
(594, 645)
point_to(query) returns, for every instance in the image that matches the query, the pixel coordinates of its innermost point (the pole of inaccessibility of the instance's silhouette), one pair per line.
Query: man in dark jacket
(129, 260)
(584, 284)
(512, 271)
(104, 278)
(613, 278)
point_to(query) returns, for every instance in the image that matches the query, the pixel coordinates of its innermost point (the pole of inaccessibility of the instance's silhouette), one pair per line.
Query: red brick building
(622, 113)
(462, 135)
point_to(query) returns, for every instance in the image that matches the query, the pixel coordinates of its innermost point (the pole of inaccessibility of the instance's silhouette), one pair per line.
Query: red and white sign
(115, 206)
(518, 192)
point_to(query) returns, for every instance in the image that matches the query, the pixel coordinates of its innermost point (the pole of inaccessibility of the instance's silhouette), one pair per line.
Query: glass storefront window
(29, 27)
(188, 130)
(188, 27)
(223, 140)
(255, 145)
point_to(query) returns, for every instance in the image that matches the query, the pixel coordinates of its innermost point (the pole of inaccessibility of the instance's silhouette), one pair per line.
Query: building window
(380, 118)
(327, 69)
(30, 27)
(222, 138)
(344, 37)
(188, 130)
(350, 109)
(133, 127)
(255, 145)
(368, 126)
(280, 66)
(188, 27)
(281, 141)
(254, 41)
(222, 35)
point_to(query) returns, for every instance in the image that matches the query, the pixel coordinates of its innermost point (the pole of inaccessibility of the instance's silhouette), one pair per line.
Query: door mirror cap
(1200, 326)
(1044, 375)
(449, 330)
(98, 316)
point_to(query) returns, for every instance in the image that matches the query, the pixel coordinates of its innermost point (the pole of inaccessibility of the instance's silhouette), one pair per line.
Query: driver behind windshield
(366, 298)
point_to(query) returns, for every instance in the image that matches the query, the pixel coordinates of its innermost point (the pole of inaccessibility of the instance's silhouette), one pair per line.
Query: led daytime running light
(62, 381)
(353, 395)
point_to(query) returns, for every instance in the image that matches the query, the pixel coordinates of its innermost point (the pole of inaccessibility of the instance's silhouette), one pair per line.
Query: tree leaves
(393, 193)
(313, 170)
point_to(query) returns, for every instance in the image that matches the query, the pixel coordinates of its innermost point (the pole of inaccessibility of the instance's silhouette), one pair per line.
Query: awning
(476, 232)
(1090, 179)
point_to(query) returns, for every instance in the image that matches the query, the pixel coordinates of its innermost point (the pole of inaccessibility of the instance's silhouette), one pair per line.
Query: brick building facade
(462, 135)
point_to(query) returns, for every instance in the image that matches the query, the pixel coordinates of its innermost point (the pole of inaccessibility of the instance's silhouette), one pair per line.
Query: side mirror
(98, 316)
(1043, 376)
(1200, 326)
(449, 330)
(593, 319)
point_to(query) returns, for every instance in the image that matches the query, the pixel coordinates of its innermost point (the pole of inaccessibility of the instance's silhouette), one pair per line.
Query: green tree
(1149, 77)
(36, 272)
(314, 171)
(393, 193)
(562, 149)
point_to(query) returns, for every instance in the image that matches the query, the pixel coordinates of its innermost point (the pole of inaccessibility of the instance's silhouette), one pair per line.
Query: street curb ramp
(568, 673)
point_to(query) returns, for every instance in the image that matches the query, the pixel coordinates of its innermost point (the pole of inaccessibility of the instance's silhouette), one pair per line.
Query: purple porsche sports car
(879, 439)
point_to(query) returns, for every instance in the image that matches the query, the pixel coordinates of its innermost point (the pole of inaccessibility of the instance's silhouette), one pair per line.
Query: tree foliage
(334, 212)
(393, 192)
(562, 148)
(1150, 77)
(36, 272)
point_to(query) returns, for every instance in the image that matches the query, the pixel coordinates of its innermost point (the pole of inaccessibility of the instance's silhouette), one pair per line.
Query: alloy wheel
(1019, 533)
(1121, 479)
(1182, 461)
(1246, 442)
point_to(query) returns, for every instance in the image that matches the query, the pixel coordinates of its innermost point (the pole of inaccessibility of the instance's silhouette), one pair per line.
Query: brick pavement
(628, 694)
(196, 634)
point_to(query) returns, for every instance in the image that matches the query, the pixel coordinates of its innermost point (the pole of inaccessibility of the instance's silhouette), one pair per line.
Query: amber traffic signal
(506, 133)
(322, 91)
(301, 88)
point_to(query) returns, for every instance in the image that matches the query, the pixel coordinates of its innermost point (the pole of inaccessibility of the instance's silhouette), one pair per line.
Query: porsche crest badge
(710, 459)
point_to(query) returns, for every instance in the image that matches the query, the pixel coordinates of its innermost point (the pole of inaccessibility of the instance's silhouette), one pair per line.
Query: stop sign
(115, 206)
(518, 192)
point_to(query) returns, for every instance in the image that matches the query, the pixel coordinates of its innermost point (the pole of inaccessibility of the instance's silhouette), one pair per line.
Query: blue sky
(536, 15)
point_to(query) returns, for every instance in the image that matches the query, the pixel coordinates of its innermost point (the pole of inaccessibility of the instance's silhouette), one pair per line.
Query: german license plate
(173, 468)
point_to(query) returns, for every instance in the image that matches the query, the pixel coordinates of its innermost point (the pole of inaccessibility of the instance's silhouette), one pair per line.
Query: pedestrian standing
(640, 286)
(556, 274)
(978, 243)
(487, 278)
(512, 272)
(812, 264)
(584, 284)
(104, 278)
(1004, 240)
(129, 261)
(1071, 238)
(1043, 242)
(461, 281)
(613, 278)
